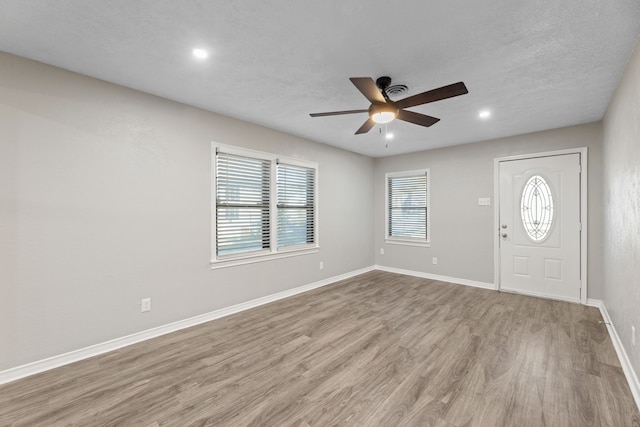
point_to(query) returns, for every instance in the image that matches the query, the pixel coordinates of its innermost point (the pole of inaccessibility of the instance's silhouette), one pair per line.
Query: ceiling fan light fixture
(383, 117)
(383, 113)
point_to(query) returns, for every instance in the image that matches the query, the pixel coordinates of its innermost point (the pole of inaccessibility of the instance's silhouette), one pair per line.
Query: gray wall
(461, 231)
(105, 199)
(622, 208)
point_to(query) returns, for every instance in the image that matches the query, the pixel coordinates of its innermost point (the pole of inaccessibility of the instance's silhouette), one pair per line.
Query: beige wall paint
(105, 199)
(461, 231)
(622, 208)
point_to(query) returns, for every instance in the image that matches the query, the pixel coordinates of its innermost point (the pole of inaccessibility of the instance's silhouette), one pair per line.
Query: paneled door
(539, 226)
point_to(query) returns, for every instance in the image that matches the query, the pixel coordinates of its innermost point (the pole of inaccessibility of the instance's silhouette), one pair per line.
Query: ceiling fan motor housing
(383, 82)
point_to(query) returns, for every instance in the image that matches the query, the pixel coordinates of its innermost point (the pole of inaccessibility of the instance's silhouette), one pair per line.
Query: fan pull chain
(388, 136)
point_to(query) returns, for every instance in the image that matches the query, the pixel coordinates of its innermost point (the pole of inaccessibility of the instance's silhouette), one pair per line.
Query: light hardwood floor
(379, 349)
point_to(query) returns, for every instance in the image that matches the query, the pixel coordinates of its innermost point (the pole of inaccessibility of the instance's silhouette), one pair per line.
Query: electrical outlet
(434, 260)
(321, 265)
(633, 335)
(145, 305)
(381, 251)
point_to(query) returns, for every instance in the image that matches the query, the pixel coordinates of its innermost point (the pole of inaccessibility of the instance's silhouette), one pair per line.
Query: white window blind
(295, 205)
(242, 204)
(407, 206)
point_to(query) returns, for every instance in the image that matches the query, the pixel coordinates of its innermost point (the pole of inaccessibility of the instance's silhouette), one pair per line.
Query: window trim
(273, 252)
(407, 241)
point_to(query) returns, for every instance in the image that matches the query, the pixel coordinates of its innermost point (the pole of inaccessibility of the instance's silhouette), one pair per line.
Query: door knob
(504, 226)
(504, 234)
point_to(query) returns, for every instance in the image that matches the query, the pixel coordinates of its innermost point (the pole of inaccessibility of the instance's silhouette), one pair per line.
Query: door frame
(583, 151)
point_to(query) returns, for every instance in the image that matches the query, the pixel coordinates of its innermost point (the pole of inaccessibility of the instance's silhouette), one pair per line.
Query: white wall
(461, 231)
(105, 199)
(622, 208)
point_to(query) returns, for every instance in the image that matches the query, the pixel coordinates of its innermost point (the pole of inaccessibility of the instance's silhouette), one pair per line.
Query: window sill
(250, 259)
(408, 243)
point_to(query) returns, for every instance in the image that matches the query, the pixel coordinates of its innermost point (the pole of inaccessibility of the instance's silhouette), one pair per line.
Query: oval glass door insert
(536, 208)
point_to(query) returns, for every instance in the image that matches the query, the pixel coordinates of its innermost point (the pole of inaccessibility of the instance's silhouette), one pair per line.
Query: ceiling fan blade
(337, 113)
(368, 87)
(366, 127)
(417, 118)
(433, 95)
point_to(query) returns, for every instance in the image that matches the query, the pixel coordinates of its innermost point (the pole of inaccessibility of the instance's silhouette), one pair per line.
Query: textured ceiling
(536, 64)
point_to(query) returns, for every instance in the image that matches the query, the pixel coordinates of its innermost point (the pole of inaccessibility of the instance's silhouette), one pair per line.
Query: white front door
(539, 217)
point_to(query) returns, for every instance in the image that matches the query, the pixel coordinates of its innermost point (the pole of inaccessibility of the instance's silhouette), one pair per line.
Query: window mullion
(273, 191)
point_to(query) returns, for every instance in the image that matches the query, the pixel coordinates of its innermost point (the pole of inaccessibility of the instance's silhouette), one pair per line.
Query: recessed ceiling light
(389, 135)
(484, 114)
(200, 53)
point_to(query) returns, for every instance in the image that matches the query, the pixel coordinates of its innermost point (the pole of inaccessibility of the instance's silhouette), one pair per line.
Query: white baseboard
(466, 282)
(28, 369)
(627, 368)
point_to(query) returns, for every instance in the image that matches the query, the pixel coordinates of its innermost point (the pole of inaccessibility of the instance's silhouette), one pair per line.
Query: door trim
(583, 151)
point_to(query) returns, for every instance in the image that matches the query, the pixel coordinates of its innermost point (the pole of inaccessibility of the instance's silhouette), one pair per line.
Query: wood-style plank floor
(379, 349)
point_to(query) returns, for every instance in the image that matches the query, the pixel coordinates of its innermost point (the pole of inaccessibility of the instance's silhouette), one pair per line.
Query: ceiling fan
(384, 110)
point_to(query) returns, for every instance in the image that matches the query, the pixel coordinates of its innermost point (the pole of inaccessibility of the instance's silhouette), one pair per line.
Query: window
(242, 204)
(408, 207)
(296, 205)
(264, 207)
(536, 208)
